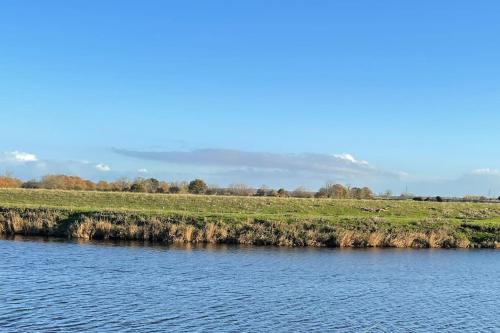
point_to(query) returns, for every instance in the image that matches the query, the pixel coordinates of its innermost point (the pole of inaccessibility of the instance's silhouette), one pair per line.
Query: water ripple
(95, 287)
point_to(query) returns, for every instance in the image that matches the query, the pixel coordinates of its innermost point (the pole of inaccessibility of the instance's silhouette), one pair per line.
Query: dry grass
(248, 220)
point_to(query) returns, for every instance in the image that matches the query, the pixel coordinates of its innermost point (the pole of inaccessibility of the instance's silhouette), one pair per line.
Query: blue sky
(384, 93)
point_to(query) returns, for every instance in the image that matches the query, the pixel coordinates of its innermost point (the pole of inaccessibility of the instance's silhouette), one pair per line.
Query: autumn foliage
(9, 182)
(197, 186)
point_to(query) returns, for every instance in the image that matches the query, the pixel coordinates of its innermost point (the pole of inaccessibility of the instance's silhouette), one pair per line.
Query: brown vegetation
(185, 229)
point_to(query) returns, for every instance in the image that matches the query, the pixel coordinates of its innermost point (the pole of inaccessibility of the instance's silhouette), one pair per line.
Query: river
(61, 286)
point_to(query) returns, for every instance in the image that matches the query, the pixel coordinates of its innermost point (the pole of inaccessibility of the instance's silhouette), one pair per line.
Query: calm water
(53, 286)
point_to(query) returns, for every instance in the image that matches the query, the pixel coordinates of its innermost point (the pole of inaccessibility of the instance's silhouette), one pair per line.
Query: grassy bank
(248, 220)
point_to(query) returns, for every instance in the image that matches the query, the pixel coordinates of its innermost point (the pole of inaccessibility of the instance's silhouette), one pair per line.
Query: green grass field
(473, 221)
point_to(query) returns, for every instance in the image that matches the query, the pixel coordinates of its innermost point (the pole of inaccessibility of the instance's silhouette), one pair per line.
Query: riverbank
(248, 220)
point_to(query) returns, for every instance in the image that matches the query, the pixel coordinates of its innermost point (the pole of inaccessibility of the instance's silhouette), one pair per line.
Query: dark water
(51, 286)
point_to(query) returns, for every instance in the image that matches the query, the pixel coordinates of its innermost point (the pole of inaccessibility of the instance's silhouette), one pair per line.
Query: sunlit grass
(252, 220)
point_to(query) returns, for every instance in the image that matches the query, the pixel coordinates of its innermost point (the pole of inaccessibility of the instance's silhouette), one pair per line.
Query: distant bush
(197, 186)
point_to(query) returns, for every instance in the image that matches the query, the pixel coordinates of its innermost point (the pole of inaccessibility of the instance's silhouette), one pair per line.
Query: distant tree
(272, 193)
(52, 182)
(64, 182)
(163, 187)
(439, 199)
(151, 185)
(197, 186)
(283, 193)
(331, 190)
(355, 193)
(138, 187)
(174, 189)
(212, 190)
(10, 182)
(120, 185)
(366, 193)
(301, 192)
(240, 190)
(31, 184)
(406, 195)
(103, 186)
(387, 194)
(262, 191)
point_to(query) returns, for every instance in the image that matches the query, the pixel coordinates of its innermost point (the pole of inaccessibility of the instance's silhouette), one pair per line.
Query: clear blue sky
(408, 86)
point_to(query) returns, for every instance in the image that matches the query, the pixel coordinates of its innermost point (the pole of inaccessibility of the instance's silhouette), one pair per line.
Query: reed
(246, 220)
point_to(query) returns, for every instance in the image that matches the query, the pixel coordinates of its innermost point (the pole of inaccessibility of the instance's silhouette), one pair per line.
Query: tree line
(196, 186)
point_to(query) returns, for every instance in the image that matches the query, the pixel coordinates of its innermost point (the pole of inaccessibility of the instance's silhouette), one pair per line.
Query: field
(249, 220)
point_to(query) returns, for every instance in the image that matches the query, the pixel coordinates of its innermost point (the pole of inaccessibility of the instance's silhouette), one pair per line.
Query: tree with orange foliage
(9, 182)
(63, 182)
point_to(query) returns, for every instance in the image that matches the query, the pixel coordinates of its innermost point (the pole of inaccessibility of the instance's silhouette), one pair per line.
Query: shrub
(197, 186)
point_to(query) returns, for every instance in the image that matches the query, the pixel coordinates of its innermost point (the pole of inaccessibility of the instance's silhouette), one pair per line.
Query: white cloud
(19, 156)
(349, 158)
(486, 171)
(142, 170)
(102, 167)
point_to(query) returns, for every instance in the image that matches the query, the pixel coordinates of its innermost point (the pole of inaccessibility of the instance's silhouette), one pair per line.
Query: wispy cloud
(486, 171)
(142, 170)
(324, 165)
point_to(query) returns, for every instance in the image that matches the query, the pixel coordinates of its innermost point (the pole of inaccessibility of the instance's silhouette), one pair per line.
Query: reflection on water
(53, 285)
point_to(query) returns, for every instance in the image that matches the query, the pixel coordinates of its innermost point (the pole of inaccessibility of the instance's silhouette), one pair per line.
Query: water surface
(60, 286)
